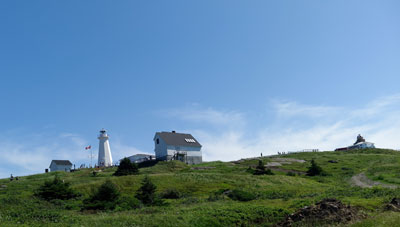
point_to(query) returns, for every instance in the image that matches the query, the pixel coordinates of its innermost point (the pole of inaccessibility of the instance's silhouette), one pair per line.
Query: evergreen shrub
(105, 198)
(314, 169)
(261, 170)
(147, 193)
(126, 167)
(241, 195)
(171, 193)
(56, 190)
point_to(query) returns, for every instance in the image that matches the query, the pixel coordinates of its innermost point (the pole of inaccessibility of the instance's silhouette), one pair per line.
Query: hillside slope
(205, 189)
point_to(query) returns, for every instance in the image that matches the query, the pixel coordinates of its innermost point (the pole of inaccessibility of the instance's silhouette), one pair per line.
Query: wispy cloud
(378, 121)
(32, 153)
(120, 150)
(387, 106)
(291, 109)
(226, 134)
(198, 114)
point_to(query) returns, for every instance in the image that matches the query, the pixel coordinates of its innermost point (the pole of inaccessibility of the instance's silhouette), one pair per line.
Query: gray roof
(135, 155)
(62, 162)
(178, 139)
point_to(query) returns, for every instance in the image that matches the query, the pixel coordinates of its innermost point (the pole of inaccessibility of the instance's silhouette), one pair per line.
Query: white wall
(190, 151)
(160, 149)
(104, 157)
(164, 151)
(54, 167)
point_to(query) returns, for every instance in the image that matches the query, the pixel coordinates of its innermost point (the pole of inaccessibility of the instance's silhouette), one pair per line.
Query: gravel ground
(362, 181)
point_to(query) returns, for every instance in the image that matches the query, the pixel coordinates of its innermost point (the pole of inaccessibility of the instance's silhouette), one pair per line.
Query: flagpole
(91, 154)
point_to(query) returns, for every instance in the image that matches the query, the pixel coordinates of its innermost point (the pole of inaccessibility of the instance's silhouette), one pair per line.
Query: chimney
(173, 132)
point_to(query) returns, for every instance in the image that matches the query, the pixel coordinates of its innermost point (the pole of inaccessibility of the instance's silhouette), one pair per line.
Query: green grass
(274, 195)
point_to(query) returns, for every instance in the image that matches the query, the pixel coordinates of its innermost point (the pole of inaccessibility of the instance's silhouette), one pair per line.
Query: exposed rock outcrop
(327, 211)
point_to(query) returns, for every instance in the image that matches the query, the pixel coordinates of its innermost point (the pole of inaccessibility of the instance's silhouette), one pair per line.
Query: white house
(359, 144)
(362, 145)
(138, 158)
(177, 146)
(60, 165)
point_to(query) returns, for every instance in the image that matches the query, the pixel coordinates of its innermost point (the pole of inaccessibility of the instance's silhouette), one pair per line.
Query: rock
(330, 211)
(227, 192)
(394, 205)
(290, 160)
(269, 164)
(395, 201)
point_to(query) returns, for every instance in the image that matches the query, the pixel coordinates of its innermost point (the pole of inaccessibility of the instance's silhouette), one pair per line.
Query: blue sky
(243, 77)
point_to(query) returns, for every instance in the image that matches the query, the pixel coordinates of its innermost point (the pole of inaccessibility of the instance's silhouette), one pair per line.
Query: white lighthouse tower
(105, 158)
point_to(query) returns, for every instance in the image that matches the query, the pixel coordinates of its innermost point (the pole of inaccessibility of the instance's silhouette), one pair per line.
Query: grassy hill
(205, 189)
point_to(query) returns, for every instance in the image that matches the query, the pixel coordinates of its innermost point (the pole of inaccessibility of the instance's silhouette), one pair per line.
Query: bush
(190, 200)
(147, 192)
(219, 195)
(128, 203)
(171, 193)
(250, 170)
(214, 197)
(314, 169)
(291, 174)
(56, 190)
(105, 198)
(260, 169)
(240, 195)
(126, 167)
(268, 172)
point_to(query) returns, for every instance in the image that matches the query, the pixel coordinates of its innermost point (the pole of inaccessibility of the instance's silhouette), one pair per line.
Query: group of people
(12, 178)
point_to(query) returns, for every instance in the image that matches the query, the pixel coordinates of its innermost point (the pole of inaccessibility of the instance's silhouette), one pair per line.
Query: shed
(60, 165)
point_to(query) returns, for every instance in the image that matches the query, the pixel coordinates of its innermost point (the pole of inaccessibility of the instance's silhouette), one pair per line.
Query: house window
(158, 141)
(190, 141)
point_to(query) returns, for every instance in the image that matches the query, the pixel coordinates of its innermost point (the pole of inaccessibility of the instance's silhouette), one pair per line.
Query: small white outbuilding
(138, 158)
(60, 165)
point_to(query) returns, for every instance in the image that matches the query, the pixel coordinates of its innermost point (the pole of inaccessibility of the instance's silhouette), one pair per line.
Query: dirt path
(288, 160)
(362, 181)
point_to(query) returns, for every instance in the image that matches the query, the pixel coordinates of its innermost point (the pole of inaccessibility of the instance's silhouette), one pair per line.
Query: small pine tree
(126, 167)
(146, 193)
(240, 195)
(260, 169)
(171, 193)
(260, 166)
(250, 170)
(314, 169)
(105, 198)
(56, 189)
(268, 172)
